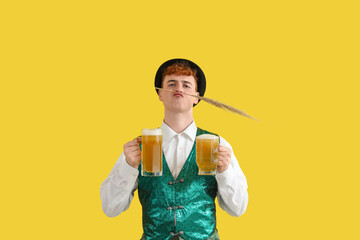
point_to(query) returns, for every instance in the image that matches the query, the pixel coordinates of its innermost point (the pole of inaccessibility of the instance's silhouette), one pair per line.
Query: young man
(180, 203)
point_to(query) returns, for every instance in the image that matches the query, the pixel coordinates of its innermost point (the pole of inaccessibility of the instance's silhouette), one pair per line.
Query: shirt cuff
(225, 177)
(127, 171)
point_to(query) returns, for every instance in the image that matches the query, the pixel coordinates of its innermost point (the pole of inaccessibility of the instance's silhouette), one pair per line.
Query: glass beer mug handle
(215, 153)
(215, 149)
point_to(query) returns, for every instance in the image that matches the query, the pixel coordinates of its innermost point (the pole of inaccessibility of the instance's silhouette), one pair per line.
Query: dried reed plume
(216, 104)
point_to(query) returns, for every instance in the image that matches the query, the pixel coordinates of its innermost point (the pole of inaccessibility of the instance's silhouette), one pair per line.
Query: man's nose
(179, 88)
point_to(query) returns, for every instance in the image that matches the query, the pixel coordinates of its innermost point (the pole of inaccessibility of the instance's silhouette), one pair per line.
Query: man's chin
(179, 108)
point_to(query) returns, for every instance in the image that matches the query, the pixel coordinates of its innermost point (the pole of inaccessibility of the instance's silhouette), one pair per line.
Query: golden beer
(151, 152)
(207, 153)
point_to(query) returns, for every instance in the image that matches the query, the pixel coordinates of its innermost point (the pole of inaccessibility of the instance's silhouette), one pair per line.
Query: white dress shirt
(117, 191)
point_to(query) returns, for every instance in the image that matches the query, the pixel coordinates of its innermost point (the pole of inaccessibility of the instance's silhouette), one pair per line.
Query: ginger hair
(180, 68)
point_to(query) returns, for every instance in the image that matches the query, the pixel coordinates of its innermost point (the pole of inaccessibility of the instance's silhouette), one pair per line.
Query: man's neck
(178, 121)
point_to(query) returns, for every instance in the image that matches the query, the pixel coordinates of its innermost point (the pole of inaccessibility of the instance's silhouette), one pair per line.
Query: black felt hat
(201, 83)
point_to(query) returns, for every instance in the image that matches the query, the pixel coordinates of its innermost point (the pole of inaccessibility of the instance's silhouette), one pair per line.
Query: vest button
(181, 180)
(181, 207)
(181, 232)
(169, 208)
(172, 233)
(170, 182)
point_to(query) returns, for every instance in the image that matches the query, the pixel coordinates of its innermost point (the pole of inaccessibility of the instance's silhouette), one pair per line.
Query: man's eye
(171, 84)
(187, 86)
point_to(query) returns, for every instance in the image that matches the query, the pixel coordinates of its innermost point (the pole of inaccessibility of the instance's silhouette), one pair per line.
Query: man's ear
(160, 95)
(196, 100)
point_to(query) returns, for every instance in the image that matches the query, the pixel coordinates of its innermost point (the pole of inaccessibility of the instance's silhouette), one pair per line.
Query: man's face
(178, 102)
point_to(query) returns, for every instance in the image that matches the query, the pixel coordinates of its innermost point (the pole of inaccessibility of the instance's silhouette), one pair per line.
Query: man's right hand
(132, 152)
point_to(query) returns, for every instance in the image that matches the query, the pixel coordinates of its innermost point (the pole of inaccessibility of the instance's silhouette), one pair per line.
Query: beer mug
(151, 152)
(207, 153)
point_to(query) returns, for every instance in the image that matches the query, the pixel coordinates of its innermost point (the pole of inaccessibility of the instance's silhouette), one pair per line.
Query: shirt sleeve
(118, 189)
(232, 186)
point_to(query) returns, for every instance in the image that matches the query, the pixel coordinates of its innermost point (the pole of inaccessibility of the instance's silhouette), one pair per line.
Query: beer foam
(151, 132)
(207, 136)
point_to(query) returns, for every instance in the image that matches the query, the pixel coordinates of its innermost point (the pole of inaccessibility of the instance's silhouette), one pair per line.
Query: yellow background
(77, 83)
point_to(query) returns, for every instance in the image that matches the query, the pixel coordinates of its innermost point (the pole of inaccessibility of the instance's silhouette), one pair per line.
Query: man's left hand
(224, 157)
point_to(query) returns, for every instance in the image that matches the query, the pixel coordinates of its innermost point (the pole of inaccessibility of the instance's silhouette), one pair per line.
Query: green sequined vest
(183, 207)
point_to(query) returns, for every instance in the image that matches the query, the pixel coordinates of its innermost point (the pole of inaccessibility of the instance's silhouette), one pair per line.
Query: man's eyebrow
(172, 80)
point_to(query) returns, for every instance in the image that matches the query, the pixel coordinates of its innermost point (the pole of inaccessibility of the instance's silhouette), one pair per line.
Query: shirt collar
(168, 133)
